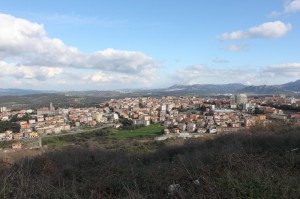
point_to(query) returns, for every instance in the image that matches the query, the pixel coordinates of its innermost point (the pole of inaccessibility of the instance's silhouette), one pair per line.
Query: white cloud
(292, 6)
(101, 77)
(266, 30)
(117, 78)
(201, 74)
(32, 72)
(32, 54)
(286, 70)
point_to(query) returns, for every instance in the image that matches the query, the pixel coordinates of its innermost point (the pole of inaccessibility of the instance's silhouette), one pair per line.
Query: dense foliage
(8, 125)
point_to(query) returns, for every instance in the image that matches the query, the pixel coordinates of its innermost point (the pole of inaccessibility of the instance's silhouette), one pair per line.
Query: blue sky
(84, 45)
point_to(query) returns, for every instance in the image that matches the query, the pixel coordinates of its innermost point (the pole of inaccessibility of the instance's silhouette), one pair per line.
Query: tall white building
(51, 108)
(241, 98)
(232, 99)
(2, 109)
(163, 107)
(238, 99)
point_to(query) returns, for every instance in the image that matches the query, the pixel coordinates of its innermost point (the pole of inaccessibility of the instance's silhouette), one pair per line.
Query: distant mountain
(292, 86)
(263, 89)
(207, 88)
(196, 89)
(14, 91)
(288, 88)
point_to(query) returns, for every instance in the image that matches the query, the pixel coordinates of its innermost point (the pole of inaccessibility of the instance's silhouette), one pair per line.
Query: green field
(147, 131)
(109, 138)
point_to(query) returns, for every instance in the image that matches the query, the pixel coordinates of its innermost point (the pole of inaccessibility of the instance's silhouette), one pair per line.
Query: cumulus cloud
(35, 72)
(202, 74)
(121, 61)
(292, 6)
(35, 55)
(287, 70)
(266, 30)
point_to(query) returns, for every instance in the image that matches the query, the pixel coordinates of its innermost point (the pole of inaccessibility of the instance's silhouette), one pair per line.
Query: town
(185, 116)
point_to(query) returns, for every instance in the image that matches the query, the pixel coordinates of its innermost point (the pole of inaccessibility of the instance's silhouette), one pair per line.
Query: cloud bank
(202, 74)
(266, 30)
(292, 6)
(287, 70)
(27, 52)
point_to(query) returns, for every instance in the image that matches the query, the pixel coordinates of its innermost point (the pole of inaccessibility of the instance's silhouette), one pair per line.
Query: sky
(139, 44)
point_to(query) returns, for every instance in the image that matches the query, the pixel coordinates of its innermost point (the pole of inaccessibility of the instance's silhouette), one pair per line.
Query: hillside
(13, 91)
(288, 88)
(264, 89)
(261, 163)
(292, 86)
(208, 88)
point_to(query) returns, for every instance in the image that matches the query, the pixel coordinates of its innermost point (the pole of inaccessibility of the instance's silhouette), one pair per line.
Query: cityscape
(149, 99)
(184, 116)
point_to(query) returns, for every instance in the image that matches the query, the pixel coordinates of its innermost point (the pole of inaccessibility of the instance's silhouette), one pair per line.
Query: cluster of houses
(219, 116)
(181, 116)
(9, 135)
(48, 120)
(92, 116)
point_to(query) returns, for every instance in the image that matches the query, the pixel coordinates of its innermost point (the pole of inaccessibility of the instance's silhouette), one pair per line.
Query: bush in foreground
(264, 165)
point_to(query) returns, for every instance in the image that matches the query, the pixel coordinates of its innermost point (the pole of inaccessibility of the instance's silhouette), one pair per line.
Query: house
(146, 122)
(200, 123)
(67, 127)
(296, 118)
(16, 145)
(2, 136)
(236, 125)
(212, 130)
(18, 136)
(32, 121)
(176, 130)
(8, 135)
(40, 118)
(166, 131)
(279, 117)
(33, 134)
(201, 130)
(191, 127)
(167, 124)
(182, 126)
(262, 117)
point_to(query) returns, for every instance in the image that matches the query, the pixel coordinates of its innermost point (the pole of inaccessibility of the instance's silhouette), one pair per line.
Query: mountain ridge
(286, 88)
(17, 91)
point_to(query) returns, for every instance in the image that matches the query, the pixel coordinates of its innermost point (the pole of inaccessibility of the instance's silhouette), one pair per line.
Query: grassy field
(74, 139)
(125, 140)
(147, 131)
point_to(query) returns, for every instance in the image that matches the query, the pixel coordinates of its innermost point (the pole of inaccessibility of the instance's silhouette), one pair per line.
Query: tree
(125, 122)
(258, 111)
(8, 125)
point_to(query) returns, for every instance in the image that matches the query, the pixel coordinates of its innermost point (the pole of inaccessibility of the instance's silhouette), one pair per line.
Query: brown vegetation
(261, 165)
